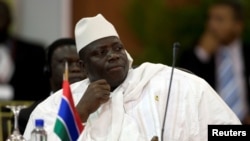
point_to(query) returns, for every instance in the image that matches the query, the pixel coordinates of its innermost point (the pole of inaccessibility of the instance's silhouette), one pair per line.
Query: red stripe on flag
(67, 93)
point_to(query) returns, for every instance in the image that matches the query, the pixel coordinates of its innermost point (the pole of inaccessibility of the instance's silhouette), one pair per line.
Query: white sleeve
(213, 110)
(217, 111)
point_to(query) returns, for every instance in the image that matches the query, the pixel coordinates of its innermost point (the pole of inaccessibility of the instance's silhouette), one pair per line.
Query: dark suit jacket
(28, 80)
(189, 60)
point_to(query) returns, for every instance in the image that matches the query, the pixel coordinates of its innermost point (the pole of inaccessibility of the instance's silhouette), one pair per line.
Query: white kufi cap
(91, 29)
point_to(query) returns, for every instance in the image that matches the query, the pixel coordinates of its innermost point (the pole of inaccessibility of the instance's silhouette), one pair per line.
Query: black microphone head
(176, 45)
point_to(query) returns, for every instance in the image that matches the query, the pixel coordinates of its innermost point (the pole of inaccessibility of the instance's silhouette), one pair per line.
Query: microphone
(176, 45)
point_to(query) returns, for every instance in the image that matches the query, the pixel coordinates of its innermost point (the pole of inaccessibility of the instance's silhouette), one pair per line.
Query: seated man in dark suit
(22, 76)
(61, 51)
(220, 57)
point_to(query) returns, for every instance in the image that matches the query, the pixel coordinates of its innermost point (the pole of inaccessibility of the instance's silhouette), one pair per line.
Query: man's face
(60, 56)
(106, 59)
(223, 24)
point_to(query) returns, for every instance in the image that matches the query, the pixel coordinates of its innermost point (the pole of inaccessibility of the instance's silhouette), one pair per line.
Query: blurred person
(221, 57)
(21, 64)
(121, 103)
(60, 51)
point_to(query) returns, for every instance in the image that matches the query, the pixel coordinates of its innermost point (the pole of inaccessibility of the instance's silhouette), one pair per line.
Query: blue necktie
(227, 84)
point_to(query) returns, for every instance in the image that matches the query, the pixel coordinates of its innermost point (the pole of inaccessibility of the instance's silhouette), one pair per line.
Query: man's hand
(209, 43)
(155, 138)
(96, 94)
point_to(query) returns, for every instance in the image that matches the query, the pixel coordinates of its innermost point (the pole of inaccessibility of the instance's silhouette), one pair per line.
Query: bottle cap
(39, 122)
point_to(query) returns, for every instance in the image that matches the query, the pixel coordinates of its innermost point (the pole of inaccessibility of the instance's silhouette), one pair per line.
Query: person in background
(21, 64)
(221, 56)
(60, 51)
(121, 103)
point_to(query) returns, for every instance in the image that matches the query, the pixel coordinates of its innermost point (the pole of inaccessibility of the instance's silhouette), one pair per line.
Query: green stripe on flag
(61, 131)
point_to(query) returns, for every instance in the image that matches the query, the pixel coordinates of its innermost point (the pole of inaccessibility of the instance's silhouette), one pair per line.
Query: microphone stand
(175, 47)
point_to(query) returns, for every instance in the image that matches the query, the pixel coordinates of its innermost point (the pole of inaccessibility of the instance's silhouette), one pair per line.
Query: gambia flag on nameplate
(68, 126)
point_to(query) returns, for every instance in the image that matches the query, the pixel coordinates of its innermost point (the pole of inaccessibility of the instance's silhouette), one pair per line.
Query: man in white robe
(119, 103)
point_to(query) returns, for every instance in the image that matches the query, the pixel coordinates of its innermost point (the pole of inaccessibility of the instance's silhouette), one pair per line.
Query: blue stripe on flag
(68, 118)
